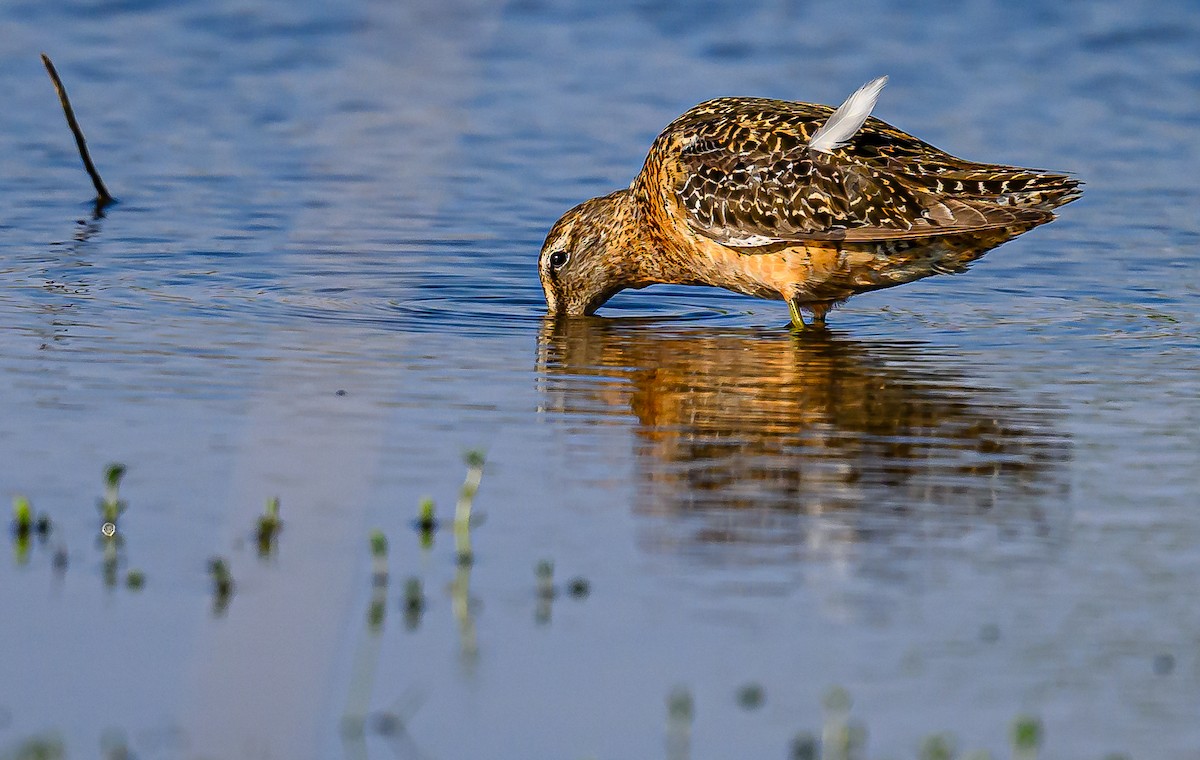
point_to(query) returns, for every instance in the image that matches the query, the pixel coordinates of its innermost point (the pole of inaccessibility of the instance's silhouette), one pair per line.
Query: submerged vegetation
(48, 746)
(111, 505)
(414, 603)
(379, 558)
(112, 543)
(268, 529)
(135, 580)
(222, 584)
(579, 587)
(426, 522)
(462, 509)
(844, 738)
(22, 517)
(841, 737)
(25, 526)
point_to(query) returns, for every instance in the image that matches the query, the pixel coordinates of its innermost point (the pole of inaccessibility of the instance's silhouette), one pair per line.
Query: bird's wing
(749, 177)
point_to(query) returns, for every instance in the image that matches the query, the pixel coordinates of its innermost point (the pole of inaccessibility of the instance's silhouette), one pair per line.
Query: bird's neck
(648, 254)
(632, 265)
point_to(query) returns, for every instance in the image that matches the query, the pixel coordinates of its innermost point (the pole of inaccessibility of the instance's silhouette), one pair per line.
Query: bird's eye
(558, 260)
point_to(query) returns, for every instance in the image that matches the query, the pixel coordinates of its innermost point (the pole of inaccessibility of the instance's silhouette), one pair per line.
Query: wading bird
(793, 201)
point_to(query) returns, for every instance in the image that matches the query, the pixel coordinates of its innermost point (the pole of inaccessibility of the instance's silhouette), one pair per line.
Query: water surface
(972, 499)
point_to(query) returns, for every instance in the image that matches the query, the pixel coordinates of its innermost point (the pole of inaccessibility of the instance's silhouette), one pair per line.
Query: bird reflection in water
(753, 432)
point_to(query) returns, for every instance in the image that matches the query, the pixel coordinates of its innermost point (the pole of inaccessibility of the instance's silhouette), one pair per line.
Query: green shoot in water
(269, 525)
(545, 591)
(1026, 737)
(804, 747)
(414, 603)
(379, 552)
(426, 523)
(112, 558)
(379, 580)
(222, 581)
(379, 544)
(22, 525)
(25, 525)
(462, 510)
(44, 747)
(426, 520)
(545, 578)
(377, 610)
(111, 506)
(135, 580)
(751, 696)
(938, 747)
(681, 711)
(579, 587)
(22, 517)
(112, 482)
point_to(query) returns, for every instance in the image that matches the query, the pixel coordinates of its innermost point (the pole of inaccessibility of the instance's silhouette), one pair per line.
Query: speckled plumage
(733, 195)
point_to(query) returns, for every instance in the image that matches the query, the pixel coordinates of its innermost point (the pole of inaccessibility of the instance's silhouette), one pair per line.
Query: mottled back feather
(747, 178)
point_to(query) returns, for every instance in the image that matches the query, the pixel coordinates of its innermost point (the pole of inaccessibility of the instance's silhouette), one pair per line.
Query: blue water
(972, 500)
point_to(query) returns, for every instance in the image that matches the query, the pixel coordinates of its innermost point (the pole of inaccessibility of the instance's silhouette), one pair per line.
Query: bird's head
(585, 260)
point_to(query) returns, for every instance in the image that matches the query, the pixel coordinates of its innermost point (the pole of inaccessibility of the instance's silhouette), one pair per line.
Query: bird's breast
(781, 272)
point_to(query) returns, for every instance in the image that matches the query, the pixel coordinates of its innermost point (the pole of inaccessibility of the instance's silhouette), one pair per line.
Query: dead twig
(103, 198)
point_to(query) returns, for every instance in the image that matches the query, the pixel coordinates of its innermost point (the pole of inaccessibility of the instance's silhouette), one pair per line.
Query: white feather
(848, 118)
(749, 241)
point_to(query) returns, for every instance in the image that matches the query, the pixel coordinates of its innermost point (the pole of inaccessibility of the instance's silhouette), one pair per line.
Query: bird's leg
(797, 317)
(819, 310)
